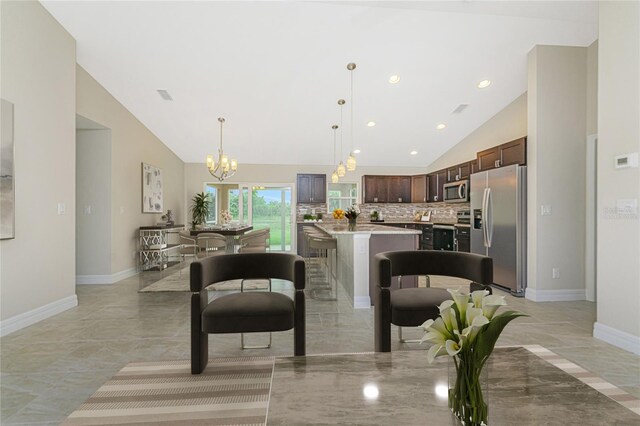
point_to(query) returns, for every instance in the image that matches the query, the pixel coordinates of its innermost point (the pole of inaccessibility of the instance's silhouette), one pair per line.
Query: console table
(154, 246)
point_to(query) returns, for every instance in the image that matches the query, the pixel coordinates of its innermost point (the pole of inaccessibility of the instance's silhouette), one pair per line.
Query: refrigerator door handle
(489, 225)
(483, 219)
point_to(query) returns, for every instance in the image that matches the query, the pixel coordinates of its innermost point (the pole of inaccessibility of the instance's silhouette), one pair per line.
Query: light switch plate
(545, 210)
(87, 209)
(61, 208)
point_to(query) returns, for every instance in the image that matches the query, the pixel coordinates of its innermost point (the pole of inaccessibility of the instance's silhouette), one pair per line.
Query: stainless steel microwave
(456, 192)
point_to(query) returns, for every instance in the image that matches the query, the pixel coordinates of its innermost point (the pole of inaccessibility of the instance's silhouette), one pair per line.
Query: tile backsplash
(440, 212)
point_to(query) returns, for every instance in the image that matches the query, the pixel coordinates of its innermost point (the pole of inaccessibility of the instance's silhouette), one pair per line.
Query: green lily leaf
(488, 336)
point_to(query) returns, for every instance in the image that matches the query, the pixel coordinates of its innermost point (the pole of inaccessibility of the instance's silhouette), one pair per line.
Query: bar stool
(324, 245)
(312, 267)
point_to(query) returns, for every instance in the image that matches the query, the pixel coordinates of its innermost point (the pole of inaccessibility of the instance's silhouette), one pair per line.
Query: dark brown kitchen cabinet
(435, 182)
(488, 159)
(459, 172)
(463, 238)
(419, 189)
(473, 167)
(399, 189)
(312, 188)
(514, 152)
(453, 173)
(374, 189)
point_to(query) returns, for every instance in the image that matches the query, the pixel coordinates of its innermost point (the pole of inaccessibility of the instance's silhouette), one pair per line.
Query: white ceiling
(275, 70)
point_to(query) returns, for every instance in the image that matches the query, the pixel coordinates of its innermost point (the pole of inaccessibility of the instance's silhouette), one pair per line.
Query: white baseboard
(362, 302)
(616, 337)
(33, 316)
(560, 295)
(106, 279)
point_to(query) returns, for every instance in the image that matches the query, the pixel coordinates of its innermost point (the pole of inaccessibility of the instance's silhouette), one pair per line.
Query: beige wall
(505, 126)
(132, 143)
(38, 76)
(556, 159)
(93, 202)
(618, 245)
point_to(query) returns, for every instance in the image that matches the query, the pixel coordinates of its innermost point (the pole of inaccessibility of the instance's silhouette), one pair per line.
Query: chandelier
(222, 168)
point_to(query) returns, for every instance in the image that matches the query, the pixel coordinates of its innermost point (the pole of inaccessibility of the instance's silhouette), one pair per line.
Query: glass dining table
(231, 233)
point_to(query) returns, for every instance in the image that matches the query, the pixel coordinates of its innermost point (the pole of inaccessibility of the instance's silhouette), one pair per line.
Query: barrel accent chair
(245, 312)
(411, 307)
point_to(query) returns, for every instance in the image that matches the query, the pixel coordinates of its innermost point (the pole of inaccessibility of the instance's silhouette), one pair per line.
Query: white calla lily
(435, 351)
(475, 327)
(445, 305)
(439, 326)
(448, 315)
(490, 305)
(461, 300)
(472, 313)
(425, 325)
(433, 337)
(452, 347)
(477, 297)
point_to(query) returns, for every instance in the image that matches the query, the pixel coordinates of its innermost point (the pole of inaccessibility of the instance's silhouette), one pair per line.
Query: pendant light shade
(351, 162)
(334, 177)
(341, 170)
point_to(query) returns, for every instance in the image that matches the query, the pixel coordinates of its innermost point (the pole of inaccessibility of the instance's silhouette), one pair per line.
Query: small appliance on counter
(376, 217)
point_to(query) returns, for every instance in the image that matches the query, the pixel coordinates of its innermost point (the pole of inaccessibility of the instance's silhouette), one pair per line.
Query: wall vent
(165, 95)
(460, 108)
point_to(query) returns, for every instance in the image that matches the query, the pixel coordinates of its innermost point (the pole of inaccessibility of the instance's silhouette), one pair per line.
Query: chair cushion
(248, 312)
(410, 307)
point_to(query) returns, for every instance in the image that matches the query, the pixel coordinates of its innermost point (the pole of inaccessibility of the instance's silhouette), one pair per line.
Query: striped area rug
(231, 391)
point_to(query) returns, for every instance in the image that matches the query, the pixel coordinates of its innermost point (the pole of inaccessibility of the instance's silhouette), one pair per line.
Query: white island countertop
(365, 228)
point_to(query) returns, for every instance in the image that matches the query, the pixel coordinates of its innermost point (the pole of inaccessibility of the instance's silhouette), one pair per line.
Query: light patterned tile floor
(50, 368)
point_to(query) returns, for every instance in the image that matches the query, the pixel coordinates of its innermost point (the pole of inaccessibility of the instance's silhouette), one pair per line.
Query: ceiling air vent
(460, 108)
(165, 95)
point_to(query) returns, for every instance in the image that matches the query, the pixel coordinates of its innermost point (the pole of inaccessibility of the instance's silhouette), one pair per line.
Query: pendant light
(341, 170)
(223, 168)
(334, 176)
(351, 161)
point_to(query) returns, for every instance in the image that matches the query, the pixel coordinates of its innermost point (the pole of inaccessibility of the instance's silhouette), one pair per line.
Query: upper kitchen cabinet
(435, 182)
(514, 152)
(459, 172)
(312, 188)
(374, 189)
(386, 189)
(419, 189)
(399, 189)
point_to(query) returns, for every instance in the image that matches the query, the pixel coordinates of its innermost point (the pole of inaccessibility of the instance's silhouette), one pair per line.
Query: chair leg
(254, 346)
(299, 324)
(382, 338)
(406, 340)
(199, 339)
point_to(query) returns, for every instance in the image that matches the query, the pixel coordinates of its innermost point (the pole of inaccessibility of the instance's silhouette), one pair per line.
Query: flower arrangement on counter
(467, 330)
(352, 212)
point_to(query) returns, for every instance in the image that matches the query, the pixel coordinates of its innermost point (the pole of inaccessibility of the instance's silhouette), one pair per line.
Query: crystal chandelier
(222, 168)
(351, 161)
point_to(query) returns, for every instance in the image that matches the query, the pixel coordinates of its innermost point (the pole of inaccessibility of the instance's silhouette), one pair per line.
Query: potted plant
(199, 209)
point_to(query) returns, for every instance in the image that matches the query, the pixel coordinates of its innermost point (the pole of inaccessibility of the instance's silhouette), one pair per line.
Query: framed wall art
(7, 175)
(151, 189)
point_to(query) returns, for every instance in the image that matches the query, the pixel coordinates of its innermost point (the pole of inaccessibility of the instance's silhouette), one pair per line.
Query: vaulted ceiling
(275, 70)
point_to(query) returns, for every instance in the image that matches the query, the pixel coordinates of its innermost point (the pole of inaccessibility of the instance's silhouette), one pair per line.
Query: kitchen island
(355, 253)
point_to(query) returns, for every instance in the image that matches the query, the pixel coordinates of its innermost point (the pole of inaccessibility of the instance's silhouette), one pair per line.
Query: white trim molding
(556, 295)
(362, 302)
(106, 279)
(33, 316)
(615, 337)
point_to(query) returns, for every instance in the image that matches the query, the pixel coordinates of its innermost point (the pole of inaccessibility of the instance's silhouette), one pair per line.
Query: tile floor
(50, 368)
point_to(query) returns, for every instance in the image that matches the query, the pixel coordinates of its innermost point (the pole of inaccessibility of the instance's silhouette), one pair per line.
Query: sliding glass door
(270, 207)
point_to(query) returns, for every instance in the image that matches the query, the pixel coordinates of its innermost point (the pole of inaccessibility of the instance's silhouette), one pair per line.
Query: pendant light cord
(351, 106)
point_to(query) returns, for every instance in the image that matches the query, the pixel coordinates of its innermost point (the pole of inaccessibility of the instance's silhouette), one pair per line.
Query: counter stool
(324, 245)
(312, 262)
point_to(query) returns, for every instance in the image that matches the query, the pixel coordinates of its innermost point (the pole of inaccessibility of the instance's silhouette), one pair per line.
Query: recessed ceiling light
(483, 84)
(413, 152)
(371, 123)
(441, 126)
(356, 151)
(394, 79)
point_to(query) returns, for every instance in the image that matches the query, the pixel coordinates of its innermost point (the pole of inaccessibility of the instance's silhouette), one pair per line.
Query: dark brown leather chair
(248, 312)
(411, 307)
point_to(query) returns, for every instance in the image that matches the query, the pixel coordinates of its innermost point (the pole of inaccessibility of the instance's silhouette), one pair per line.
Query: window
(342, 195)
(212, 192)
(234, 204)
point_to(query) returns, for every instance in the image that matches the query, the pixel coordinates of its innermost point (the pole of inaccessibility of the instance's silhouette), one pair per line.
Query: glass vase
(352, 224)
(468, 391)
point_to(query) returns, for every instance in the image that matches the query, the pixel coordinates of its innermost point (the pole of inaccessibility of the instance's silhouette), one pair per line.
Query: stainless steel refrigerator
(499, 224)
